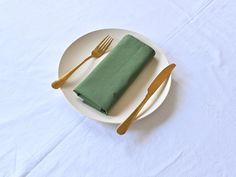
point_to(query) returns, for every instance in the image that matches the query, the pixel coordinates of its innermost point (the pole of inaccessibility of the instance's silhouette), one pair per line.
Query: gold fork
(99, 50)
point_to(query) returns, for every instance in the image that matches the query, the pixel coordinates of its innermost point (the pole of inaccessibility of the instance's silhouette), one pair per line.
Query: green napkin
(108, 81)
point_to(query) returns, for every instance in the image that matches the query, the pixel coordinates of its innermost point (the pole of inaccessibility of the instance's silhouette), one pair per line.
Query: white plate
(82, 47)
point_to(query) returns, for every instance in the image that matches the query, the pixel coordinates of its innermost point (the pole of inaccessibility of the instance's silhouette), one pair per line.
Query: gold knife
(156, 83)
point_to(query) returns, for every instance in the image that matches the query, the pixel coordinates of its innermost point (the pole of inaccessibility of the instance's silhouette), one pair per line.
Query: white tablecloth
(193, 134)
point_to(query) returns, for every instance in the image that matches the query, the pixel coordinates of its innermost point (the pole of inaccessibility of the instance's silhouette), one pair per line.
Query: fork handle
(58, 83)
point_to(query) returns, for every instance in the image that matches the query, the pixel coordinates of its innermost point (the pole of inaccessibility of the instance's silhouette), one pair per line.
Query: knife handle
(123, 127)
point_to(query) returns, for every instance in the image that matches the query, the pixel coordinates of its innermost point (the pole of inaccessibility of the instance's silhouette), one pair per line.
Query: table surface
(193, 134)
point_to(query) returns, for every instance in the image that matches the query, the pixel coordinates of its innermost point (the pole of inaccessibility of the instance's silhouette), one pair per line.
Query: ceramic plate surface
(82, 47)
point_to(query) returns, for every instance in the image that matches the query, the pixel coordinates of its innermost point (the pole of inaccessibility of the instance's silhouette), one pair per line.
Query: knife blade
(156, 83)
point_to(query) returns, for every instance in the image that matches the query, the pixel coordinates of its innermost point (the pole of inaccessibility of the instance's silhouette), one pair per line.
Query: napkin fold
(113, 75)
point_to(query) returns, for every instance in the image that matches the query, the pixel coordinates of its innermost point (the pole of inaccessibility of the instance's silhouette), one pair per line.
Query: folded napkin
(108, 81)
